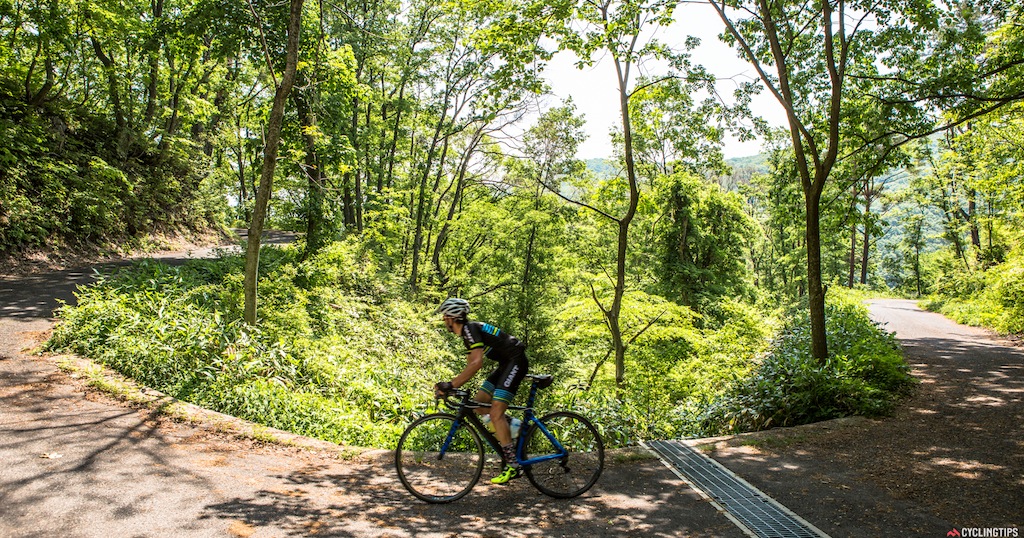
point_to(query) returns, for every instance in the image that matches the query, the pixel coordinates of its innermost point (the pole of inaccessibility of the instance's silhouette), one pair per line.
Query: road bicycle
(440, 457)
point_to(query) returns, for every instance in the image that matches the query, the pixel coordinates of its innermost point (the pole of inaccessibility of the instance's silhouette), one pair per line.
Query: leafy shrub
(864, 375)
(991, 298)
(672, 370)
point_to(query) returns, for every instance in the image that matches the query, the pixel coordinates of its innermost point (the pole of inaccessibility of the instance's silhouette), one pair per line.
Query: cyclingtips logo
(984, 532)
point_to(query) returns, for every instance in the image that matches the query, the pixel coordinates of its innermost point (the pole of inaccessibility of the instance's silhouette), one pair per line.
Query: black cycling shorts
(503, 383)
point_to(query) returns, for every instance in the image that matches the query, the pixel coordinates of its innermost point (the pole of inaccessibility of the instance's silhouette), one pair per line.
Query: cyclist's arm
(474, 361)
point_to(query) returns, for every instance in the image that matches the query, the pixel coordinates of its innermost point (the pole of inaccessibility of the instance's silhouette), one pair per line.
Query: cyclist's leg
(511, 375)
(505, 382)
(501, 428)
(504, 434)
(485, 394)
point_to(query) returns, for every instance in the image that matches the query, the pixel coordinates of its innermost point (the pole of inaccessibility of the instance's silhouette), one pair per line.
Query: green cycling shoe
(510, 473)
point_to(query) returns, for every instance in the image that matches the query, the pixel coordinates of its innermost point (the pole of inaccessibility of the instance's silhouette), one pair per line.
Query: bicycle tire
(431, 476)
(573, 475)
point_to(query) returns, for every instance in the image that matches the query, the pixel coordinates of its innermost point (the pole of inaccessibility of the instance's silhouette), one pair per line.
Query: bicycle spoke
(437, 464)
(575, 473)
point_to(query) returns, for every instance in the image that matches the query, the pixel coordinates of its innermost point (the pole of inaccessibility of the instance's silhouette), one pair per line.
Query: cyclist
(485, 340)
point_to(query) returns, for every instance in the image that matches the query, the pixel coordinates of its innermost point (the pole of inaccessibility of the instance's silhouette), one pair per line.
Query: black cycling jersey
(498, 345)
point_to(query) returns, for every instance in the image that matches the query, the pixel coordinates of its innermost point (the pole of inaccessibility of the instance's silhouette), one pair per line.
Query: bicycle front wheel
(570, 475)
(436, 462)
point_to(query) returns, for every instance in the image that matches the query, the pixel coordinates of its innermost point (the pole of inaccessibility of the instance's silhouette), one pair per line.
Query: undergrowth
(992, 298)
(342, 355)
(865, 374)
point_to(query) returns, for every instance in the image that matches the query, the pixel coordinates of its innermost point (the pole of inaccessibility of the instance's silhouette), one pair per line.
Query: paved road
(76, 464)
(952, 456)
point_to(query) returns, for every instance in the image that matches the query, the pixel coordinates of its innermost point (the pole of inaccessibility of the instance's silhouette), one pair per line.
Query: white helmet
(454, 307)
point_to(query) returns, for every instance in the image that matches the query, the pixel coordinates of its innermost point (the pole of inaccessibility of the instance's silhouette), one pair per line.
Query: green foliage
(392, 145)
(865, 375)
(991, 298)
(972, 182)
(705, 236)
(675, 368)
(338, 356)
(62, 181)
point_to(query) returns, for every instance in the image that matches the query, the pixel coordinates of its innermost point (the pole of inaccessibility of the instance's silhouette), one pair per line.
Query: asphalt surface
(951, 456)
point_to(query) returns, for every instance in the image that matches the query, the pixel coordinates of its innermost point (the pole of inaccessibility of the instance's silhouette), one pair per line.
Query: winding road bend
(951, 457)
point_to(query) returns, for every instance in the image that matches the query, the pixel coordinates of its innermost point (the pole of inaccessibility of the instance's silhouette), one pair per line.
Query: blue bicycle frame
(467, 414)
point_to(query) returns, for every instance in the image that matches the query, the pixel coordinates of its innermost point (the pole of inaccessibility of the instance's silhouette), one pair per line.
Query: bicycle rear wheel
(432, 471)
(570, 475)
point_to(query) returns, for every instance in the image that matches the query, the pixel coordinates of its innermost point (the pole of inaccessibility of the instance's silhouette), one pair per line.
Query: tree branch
(263, 41)
(577, 202)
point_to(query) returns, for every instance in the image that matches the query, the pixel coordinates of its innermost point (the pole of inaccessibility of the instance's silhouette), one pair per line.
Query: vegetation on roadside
(341, 355)
(865, 376)
(992, 298)
(63, 181)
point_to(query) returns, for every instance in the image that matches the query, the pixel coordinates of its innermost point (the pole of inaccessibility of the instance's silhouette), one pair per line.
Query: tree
(672, 131)
(615, 27)
(549, 149)
(703, 238)
(273, 139)
(488, 64)
(817, 59)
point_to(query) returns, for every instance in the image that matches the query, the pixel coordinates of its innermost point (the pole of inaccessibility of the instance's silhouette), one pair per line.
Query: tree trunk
(314, 176)
(39, 97)
(423, 203)
(524, 302)
(152, 46)
(347, 213)
(393, 147)
(417, 241)
(972, 220)
(853, 254)
(460, 183)
(270, 150)
(866, 247)
(853, 238)
(243, 189)
(623, 239)
(115, 94)
(352, 180)
(917, 267)
(815, 290)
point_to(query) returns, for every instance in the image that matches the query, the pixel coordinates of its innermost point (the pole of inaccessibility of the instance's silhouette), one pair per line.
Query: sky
(594, 90)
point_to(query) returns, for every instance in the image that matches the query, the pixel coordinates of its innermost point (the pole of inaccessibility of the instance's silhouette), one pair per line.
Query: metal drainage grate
(751, 510)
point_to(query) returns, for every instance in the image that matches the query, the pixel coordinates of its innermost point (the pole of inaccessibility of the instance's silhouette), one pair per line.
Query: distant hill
(758, 162)
(744, 168)
(602, 168)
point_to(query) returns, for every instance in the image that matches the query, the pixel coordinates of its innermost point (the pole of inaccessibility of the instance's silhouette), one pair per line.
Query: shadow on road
(85, 466)
(356, 499)
(953, 455)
